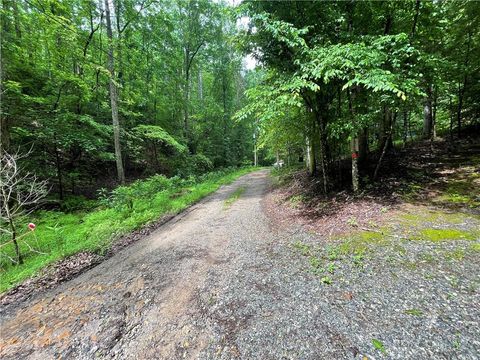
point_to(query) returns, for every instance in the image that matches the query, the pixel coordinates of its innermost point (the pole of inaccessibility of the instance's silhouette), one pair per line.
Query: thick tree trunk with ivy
(114, 98)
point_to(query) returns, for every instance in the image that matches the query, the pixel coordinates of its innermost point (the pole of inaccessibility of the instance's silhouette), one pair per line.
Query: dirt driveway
(218, 282)
(142, 303)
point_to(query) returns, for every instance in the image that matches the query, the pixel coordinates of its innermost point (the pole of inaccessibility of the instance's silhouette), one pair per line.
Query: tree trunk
(255, 156)
(461, 91)
(59, 168)
(15, 242)
(354, 146)
(4, 128)
(200, 85)
(323, 152)
(434, 112)
(311, 163)
(415, 19)
(355, 177)
(405, 128)
(114, 98)
(452, 116)
(384, 151)
(385, 133)
(186, 97)
(363, 145)
(427, 114)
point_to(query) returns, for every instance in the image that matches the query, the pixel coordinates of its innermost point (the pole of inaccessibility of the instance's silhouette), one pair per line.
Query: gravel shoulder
(225, 282)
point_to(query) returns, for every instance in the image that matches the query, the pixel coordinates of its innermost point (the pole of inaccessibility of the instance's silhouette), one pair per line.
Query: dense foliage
(101, 93)
(352, 78)
(168, 70)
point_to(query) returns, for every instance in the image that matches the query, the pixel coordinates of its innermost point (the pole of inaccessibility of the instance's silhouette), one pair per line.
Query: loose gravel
(224, 283)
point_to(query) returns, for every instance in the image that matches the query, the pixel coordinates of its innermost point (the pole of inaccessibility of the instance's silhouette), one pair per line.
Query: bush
(77, 203)
(195, 165)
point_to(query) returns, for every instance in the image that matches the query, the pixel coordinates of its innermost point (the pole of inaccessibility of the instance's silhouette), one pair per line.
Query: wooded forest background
(100, 90)
(153, 84)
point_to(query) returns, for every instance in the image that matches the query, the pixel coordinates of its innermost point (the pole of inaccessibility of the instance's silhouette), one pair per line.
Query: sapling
(20, 193)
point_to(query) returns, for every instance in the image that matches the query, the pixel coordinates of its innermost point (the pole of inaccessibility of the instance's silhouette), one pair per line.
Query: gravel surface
(222, 282)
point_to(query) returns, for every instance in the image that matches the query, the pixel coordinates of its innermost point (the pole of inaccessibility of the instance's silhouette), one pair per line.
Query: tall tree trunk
(114, 97)
(385, 130)
(428, 114)
(311, 163)
(59, 168)
(452, 117)
(200, 85)
(405, 127)
(384, 150)
(415, 19)
(323, 150)
(461, 93)
(434, 112)
(4, 126)
(461, 89)
(255, 155)
(186, 95)
(354, 146)
(363, 145)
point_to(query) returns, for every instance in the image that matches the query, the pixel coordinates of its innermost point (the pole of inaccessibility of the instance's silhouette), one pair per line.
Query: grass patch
(461, 192)
(360, 242)
(59, 235)
(414, 312)
(296, 200)
(234, 196)
(434, 217)
(444, 235)
(377, 344)
(475, 247)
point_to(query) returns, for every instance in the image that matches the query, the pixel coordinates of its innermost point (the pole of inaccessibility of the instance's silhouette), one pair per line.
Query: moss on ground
(361, 242)
(430, 234)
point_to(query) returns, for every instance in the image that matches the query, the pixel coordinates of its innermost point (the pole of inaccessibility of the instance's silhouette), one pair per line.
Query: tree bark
(114, 98)
(428, 114)
(311, 163)
(385, 130)
(59, 168)
(461, 91)
(189, 56)
(415, 18)
(354, 146)
(384, 151)
(405, 127)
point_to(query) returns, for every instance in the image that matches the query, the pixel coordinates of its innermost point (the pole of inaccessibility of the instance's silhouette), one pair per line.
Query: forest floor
(255, 272)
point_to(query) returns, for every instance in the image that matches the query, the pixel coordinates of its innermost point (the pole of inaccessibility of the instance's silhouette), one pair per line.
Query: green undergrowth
(462, 192)
(234, 196)
(127, 208)
(282, 176)
(439, 219)
(424, 226)
(436, 225)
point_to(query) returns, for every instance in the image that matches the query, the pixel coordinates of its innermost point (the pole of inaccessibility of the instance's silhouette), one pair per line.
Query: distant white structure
(278, 164)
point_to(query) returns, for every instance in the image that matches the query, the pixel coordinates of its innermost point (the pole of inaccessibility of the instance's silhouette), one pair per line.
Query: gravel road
(220, 282)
